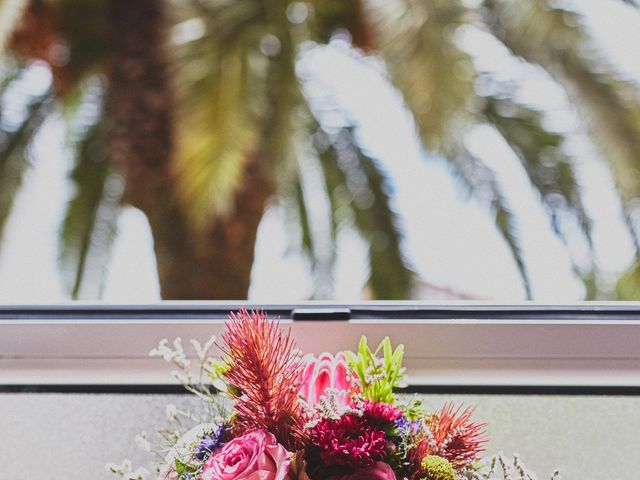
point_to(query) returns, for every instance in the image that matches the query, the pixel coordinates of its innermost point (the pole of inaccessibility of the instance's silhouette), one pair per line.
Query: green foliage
(412, 408)
(235, 102)
(216, 372)
(628, 285)
(437, 468)
(359, 188)
(14, 151)
(480, 181)
(90, 223)
(239, 99)
(184, 469)
(610, 108)
(433, 74)
(549, 168)
(378, 376)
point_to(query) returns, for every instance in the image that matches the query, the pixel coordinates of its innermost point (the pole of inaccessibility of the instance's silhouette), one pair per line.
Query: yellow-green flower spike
(437, 468)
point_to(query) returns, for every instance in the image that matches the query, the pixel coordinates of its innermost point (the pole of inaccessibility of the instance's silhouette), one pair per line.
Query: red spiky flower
(265, 369)
(451, 434)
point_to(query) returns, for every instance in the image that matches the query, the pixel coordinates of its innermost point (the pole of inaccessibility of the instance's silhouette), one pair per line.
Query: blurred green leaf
(90, 223)
(435, 77)
(548, 167)
(14, 152)
(628, 285)
(555, 39)
(480, 181)
(356, 182)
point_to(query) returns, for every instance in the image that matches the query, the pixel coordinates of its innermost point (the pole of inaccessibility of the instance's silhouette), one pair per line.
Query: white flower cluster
(125, 470)
(177, 356)
(503, 468)
(330, 407)
(173, 355)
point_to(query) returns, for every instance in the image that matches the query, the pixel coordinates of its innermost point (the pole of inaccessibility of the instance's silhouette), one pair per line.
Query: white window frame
(472, 347)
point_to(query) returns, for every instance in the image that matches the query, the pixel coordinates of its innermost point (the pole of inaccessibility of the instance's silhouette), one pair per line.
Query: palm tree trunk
(216, 263)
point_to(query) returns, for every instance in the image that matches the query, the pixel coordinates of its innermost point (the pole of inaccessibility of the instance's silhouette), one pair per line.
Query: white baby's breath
(203, 350)
(172, 412)
(143, 442)
(139, 474)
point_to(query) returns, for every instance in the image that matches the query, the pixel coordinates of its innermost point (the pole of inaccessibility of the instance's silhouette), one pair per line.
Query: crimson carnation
(350, 440)
(378, 413)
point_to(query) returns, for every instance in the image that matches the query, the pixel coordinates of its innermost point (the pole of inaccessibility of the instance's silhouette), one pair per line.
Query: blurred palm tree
(199, 119)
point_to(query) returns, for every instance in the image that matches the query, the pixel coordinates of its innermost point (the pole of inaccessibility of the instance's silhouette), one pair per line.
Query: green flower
(378, 375)
(437, 468)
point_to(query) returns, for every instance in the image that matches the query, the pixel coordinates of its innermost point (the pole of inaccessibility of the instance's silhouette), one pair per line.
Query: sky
(449, 239)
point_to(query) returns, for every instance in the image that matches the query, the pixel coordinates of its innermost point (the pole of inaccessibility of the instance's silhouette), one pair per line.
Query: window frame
(527, 348)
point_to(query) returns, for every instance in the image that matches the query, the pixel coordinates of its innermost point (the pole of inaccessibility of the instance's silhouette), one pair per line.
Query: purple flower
(407, 427)
(209, 443)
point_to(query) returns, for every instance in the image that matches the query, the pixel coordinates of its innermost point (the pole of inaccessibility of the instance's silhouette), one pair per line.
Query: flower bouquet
(270, 413)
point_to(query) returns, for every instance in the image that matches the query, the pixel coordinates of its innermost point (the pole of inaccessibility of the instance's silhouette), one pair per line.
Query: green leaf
(628, 285)
(236, 102)
(481, 182)
(184, 468)
(386, 348)
(378, 377)
(555, 39)
(435, 77)
(505, 221)
(216, 135)
(14, 155)
(549, 169)
(90, 223)
(369, 203)
(303, 220)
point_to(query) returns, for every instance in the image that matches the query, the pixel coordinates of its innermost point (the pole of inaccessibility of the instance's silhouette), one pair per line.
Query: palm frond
(549, 169)
(356, 182)
(504, 220)
(481, 182)
(311, 208)
(216, 135)
(302, 216)
(628, 285)
(14, 154)
(218, 80)
(90, 223)
(236, 103)
(434, 76)
(555, 39)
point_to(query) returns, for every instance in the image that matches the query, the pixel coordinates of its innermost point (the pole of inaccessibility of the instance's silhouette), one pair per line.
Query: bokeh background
(324, 149)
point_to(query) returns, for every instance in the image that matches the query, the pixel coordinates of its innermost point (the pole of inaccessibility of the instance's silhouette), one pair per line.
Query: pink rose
(253, 456)
(325, 372)
(377, 471)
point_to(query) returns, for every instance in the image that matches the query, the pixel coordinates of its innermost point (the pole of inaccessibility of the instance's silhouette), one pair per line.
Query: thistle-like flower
(452, 435)
(209, 442)
(264, 370)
